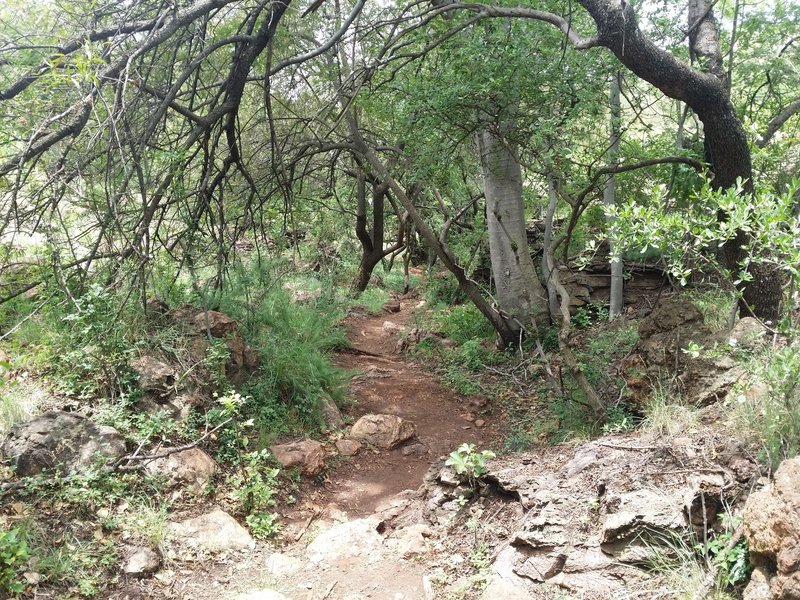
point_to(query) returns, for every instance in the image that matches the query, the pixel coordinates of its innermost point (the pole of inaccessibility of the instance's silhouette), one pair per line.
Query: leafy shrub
(773, 417)
(13, 556)
(254, 487)
(442, 288)
(468, 463)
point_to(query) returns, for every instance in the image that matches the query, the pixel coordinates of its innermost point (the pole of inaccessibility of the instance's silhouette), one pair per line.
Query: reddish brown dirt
(394, 383)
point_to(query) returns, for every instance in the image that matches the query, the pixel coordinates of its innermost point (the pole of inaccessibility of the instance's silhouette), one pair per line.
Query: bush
(13, 556)
(773, 416)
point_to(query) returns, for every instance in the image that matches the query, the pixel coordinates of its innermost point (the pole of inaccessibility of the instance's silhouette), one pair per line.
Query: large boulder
(772, 527)
(308, 455)
(190, 469)
(211, 533)
(61, 440)
(383, 431)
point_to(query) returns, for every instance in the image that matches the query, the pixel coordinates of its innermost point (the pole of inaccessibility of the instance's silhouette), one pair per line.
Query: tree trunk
(372, 250)
(547, 266)
(610, 198)
(707, 95)
(519, 292)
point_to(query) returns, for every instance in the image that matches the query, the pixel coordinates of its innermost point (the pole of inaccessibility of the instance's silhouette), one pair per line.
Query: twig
(148, 457)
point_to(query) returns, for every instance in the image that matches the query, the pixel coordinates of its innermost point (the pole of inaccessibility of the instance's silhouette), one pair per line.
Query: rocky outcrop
(590, 516)
(64, 441)
(307, 455)
(383, 431)
(190, 469)
(772, 529)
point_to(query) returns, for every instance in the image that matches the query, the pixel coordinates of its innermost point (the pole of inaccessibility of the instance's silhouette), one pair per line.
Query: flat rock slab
(213, 532)
(357, 539)
(61, 440)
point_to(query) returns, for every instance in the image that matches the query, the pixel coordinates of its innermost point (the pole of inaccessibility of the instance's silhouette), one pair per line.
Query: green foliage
(733, 563)
(772, 414)
(469, 464)
(295, 341)
(89, 344)
(442, 288)
(254, 486)
(373, 299)
(465, 323)
(13, 557)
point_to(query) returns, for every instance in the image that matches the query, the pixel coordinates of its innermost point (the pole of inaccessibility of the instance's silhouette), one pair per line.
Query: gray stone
(348, 540)
(141, 561)
(212, 532)
(415, 449)
(61, 440)
(348, 447)
(330, 413)
(383, 431)
(262, 595)
(190, 469)
(308, 455)
(154, 375)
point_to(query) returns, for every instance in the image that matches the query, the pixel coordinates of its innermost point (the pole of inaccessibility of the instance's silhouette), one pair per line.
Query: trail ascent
(394, 383)
(335, 547)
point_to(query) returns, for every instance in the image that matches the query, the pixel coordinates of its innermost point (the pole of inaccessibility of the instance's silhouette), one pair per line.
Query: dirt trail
(336, 548)
(393, 383)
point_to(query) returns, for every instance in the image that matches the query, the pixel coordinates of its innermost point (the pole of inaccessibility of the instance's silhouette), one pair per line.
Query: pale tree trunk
(547, 266)
(610, 199)
(519, 292)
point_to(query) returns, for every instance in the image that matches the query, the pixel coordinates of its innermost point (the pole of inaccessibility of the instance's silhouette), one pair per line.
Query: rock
(415, 449)
(348, 447)
(498, 587)
(641, 510)
(212, 532)
(190, 469)
(308, 455)
(747, 332)
(141, 561)
(242, 361)
(410, 541)
(330, 413)
(61, 440)
(480, 422)
(389, 327)
(215, 323)
(281, 565)
(383, 431)
(152, 404)
(154, 375)
(758, 586)
(348, 540)
(262, 595)
(772, 528)
(393, 306)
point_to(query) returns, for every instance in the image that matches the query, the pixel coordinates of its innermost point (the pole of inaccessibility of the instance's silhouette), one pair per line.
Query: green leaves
(13, 556)
(469, 463)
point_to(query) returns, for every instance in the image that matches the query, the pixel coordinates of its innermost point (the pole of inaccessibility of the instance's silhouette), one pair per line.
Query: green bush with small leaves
(13, 557)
